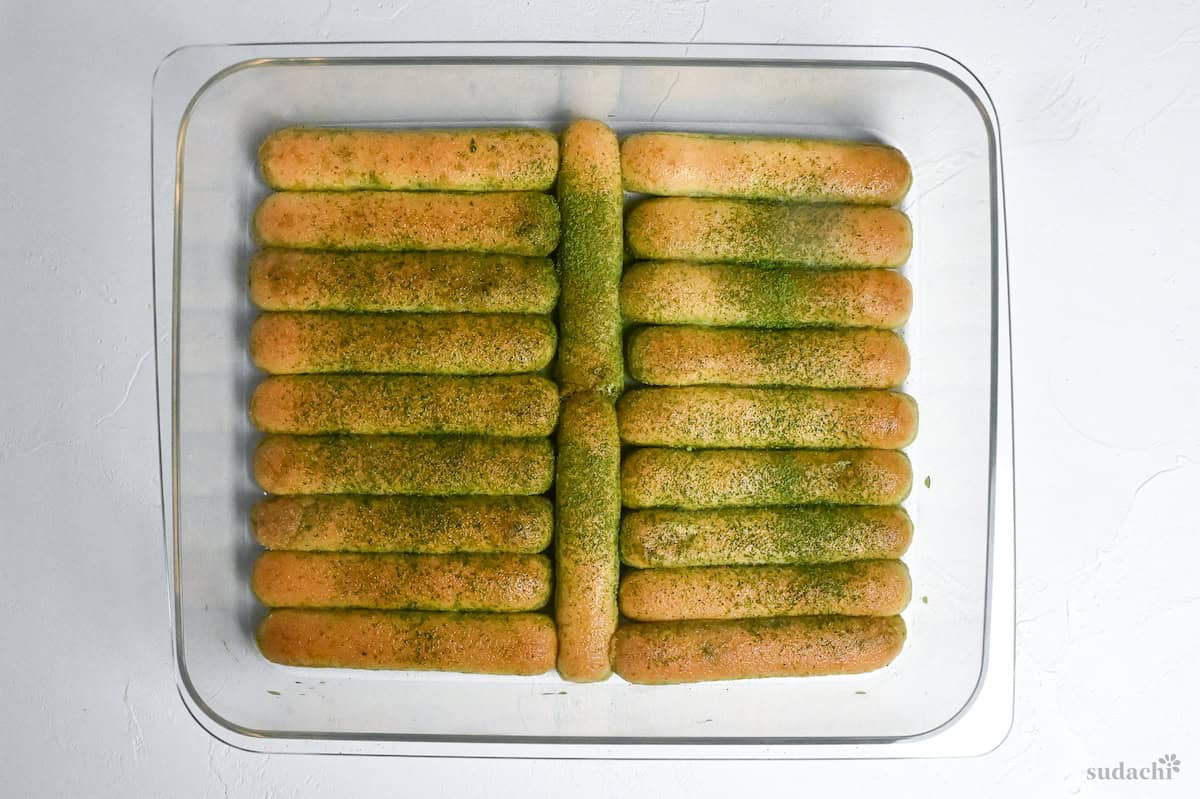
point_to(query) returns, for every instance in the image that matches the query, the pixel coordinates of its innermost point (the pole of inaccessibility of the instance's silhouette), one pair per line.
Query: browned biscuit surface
(715, 416)
(659, 653)
(492, 582)
(816, 358)
(310, 280)
(590, 258)
(446, 344)
(588, 499)
(473, 159)
(764, 167)
(748, 536)
(403, 524)
(419, 465)
(723, 478)
(488, 643)
(509, 406)
(693, 229)
(860, 588)
(420, 524)
(737, 295)
(518, 223)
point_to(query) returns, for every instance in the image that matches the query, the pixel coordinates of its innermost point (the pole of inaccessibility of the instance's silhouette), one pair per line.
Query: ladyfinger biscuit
(748, 536)
(818, 358)
(487, 643)
(403, 524)
(659, 653)
(764, 167)
(282, 342)
(420, 465)
(510, 406)
(724, 478)
(479, 159)
(711, 416)
(734, 295)
(502, 583)
(588, 495)
(862, 588)
(518, 223)
(590, 259)
(306, 280)
(692, 229)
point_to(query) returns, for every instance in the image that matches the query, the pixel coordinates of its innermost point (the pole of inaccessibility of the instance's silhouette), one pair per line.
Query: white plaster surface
(1100, 110)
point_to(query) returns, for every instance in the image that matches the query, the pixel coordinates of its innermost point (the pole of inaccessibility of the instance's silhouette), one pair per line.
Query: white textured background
(1100, 112)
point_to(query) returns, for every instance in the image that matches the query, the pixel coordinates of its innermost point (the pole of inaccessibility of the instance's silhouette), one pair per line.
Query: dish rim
(1001, 502)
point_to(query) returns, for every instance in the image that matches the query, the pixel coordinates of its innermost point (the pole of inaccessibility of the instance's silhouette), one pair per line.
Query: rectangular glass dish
(950, 690)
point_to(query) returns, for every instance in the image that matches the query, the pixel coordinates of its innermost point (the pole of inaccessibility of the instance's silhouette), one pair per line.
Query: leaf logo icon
(1170, 761)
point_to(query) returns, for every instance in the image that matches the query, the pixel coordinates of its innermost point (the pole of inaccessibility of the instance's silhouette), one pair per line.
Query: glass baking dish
(950, 690)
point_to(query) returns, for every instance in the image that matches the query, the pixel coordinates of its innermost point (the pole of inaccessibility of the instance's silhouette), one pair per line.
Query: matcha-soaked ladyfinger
(764, 167)
(820, 358)
(419, 465)
(861, 588)
(692, 229)
(714, 416)
(735, 295)
(479, 159)
(750, 536)
(432, 525)
(588, 496)
(283, 342)
(511, 406)
(727, 478)
(659, 653)
(590, 258)
(486, 643)
(305, 280)
(519, 223)
(502, 583)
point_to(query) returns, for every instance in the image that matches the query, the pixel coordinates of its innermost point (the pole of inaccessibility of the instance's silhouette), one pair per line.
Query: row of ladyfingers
(462, 434)
(497, 159)
(472, 344)
(414, 493)
(590, 478)
(650, 477)
(651, 292)
(589, 369)
(664, 537)
(479, 191)
(527, 643)
(765, 399)
(520, 406)
(507, 582)
(527, 223)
